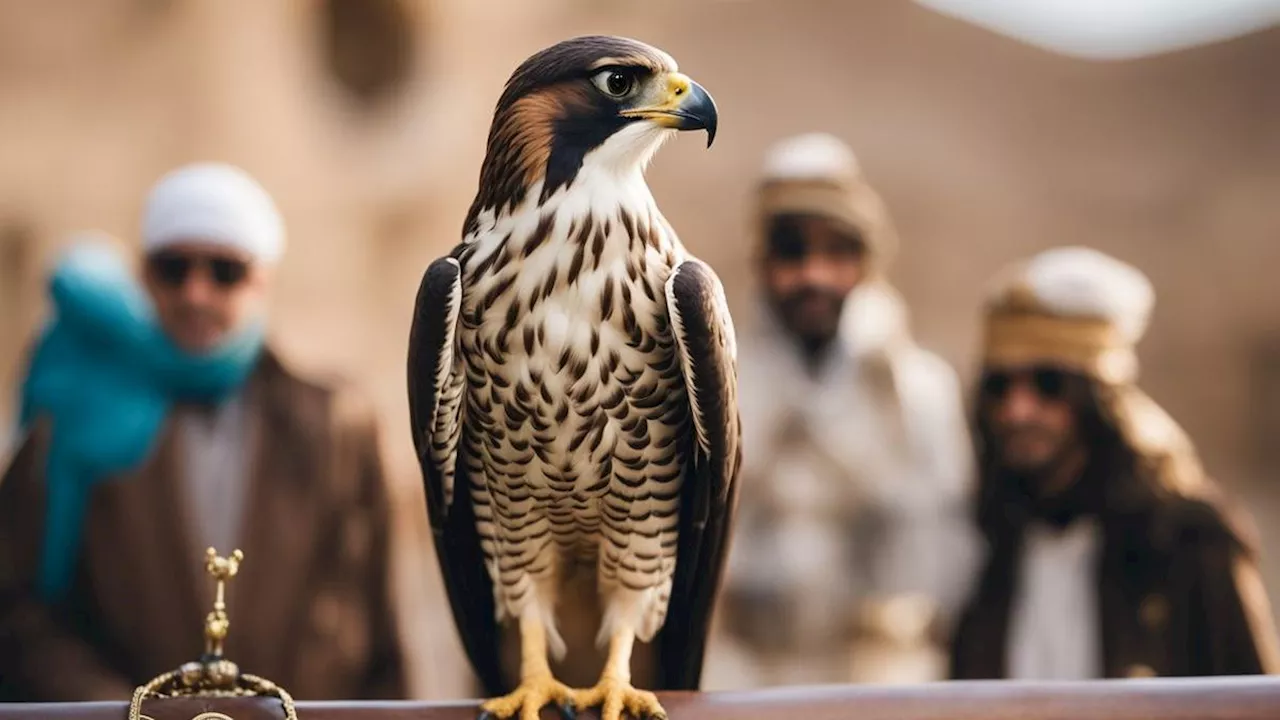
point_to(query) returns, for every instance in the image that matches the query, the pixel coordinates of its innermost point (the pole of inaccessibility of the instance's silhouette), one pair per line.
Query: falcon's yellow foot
(528, 700)
(614, 695)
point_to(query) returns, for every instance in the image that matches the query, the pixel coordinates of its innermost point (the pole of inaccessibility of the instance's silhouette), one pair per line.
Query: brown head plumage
(566, 100)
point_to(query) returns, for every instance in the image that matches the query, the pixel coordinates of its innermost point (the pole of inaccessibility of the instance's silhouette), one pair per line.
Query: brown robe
(1179, 595)
(311, 608)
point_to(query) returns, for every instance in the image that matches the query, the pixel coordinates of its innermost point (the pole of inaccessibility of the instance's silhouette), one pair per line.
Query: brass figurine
(212, 675)
(217, 623)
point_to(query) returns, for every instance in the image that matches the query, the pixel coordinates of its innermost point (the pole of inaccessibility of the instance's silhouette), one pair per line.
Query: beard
(1033, 455)
(811, 312)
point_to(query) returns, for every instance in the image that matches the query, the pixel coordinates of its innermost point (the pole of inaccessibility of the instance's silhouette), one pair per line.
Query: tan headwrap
(1084, 311)
(817, 174)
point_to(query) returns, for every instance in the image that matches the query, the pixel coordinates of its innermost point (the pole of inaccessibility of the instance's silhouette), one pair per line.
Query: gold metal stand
(212, 675)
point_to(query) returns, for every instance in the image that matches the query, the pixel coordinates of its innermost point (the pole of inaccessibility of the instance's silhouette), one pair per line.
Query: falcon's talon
(527, 701)
(568, 710)
(613, 696)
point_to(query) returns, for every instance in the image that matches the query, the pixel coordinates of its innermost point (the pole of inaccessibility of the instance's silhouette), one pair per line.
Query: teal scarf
(105, 374)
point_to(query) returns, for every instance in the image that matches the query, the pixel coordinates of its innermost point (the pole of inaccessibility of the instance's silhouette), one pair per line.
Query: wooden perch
(1255, 698)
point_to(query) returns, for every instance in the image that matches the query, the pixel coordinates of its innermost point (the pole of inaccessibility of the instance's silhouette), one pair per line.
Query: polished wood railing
(1161, 699)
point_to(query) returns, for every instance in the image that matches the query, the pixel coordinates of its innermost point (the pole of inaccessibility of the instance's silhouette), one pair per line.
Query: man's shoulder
(928, 365)
(13, 441)
(1211, 518)
(21, 441)
(924, 378)
(338, 394)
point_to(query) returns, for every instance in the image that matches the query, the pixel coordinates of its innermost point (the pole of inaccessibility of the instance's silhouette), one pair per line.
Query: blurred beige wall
(987, 150)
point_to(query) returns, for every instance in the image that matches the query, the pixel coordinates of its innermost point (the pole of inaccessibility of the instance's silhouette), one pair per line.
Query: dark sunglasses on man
(788, 241)
(174, 268)
(1049, 383)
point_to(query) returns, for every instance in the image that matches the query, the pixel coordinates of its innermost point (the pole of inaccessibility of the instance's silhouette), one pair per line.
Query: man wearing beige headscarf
(1110, 552)
(852, 543)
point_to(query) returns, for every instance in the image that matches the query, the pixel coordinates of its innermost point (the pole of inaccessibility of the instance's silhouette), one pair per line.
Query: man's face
(203, 292)
(1031, 413)
(811, 264)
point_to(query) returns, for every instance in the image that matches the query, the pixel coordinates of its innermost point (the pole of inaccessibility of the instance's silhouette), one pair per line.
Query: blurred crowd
(1056, 525)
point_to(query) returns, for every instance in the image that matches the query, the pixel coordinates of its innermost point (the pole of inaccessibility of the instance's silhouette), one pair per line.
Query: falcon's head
(597, 100)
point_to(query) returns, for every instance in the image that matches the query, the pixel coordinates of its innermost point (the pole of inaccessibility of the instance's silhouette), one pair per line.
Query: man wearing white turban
(157, 423)
(852, 546)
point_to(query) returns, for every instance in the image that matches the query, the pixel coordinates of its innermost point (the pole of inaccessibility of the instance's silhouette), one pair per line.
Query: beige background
(985, 149)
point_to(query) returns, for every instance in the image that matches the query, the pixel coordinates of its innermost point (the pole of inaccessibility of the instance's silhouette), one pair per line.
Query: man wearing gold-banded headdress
(852, 532)
(1111, 552)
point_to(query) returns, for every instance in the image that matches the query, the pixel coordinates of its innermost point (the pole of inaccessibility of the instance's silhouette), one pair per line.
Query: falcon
(572, 386)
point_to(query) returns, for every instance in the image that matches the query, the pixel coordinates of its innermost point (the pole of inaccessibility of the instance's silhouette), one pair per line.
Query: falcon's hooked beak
(675, 101)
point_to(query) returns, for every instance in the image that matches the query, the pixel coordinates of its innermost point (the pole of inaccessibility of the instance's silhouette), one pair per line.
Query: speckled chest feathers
(575, 429)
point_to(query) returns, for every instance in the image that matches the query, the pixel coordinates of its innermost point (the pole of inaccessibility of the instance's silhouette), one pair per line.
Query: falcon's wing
(436, 385)
(705, 340)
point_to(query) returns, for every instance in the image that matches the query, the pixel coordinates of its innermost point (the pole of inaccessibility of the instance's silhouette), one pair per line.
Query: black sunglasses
(788, 242)
(1049, 383)
(173, 269)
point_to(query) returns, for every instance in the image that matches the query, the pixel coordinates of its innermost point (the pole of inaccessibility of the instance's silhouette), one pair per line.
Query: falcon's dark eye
(615, 83)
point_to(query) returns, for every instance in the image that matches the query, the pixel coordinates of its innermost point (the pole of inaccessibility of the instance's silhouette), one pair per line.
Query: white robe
(1054, 629)
(855, 486)
(214, 471)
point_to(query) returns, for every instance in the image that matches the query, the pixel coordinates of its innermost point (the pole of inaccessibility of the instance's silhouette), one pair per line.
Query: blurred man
(158, 424)
(1110, 553)
(851, 531)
